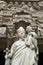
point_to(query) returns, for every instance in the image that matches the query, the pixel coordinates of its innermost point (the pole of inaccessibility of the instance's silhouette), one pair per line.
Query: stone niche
(3, 38)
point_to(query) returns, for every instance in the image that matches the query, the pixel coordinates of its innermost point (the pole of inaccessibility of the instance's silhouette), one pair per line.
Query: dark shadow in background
(40, 58)
(2, 59)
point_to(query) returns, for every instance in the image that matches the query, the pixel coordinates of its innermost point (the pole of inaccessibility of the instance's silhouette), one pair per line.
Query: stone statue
(32, 42)
(40, 31)
(30, 6)
(10, 5)
(23, 50)
(18, 48)
(41, 4)
(16, 4)
(7, 60)
(24, 7)
(36, 6)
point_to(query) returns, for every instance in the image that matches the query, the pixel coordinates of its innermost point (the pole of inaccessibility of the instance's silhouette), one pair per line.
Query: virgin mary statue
(20, 52)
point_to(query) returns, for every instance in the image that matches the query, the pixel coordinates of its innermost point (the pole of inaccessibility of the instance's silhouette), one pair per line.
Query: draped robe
(21, 54)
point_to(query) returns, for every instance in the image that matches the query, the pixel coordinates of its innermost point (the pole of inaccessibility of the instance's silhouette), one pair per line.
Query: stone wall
(27, 12)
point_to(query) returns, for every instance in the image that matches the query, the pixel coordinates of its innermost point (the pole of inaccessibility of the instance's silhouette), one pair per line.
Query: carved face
(21, 32)
(28, 29)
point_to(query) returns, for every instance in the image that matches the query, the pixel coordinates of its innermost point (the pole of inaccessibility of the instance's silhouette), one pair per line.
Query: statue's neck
(21, 39)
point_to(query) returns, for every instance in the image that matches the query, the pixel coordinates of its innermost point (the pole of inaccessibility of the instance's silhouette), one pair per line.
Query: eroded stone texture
(14, 12)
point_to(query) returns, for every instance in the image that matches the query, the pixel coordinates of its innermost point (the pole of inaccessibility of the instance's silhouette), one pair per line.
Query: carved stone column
(9, 35)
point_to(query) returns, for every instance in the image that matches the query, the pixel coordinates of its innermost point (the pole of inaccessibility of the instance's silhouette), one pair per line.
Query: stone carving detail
(2, 6)
(22, 11)
(36, 6)
(9, 35)
(7, 62)
(24, 7)
(22, 48)
(26, 11)
(41, 4)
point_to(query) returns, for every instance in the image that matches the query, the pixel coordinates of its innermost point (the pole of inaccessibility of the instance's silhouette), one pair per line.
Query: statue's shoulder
(33, 34)
(16, 42)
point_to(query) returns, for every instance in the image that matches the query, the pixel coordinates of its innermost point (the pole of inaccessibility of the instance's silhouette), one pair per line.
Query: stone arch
(21, 22)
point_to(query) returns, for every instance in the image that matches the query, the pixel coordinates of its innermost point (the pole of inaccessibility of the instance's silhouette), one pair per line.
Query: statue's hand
(37, 57)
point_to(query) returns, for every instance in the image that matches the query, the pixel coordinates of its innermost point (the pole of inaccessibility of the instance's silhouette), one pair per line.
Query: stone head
(28, 29)
(21, 32)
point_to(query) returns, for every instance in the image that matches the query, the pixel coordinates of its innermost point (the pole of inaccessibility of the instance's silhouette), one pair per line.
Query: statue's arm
(35, 45)
(28, 40)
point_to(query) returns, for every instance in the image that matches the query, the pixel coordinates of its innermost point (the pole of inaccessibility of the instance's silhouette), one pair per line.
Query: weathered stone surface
(25, 10)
